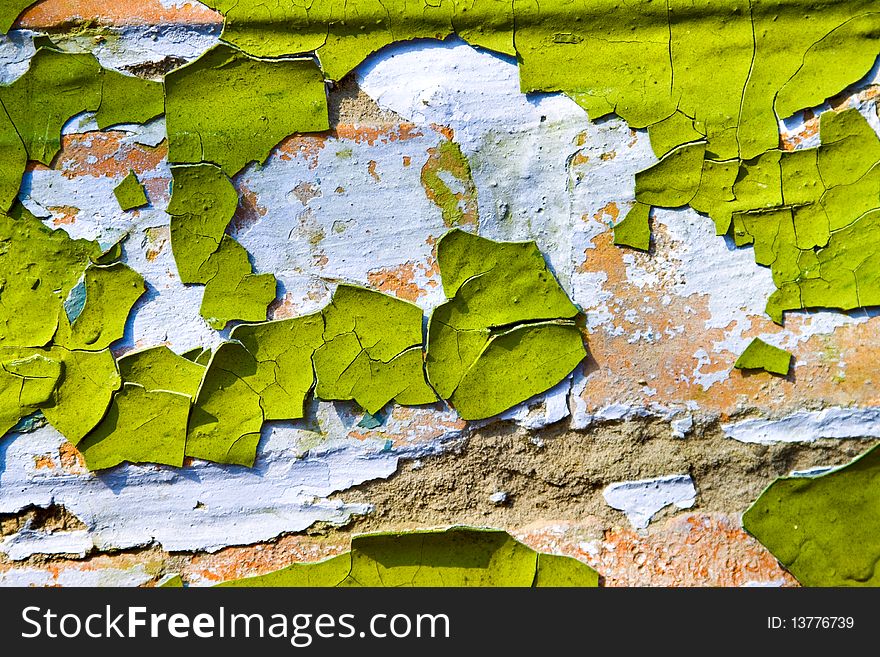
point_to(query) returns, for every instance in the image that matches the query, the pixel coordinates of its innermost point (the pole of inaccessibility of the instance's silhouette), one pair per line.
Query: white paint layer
(641, 500)
(27, 542)
(807, 426)
(203, 506)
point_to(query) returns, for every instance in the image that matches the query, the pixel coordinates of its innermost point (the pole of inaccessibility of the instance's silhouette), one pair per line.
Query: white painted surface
(27, 542)
(641, 500)
(807, 426)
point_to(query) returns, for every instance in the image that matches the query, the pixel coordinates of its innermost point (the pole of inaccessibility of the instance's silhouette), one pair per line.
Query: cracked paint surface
(458, 144)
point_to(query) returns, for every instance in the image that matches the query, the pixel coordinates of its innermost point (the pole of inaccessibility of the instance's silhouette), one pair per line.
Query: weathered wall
(657, 403)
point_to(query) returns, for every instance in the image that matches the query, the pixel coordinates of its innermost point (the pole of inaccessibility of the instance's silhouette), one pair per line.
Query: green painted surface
(762, 356)
(141, 426)
(11, 10)
(202, 204)
(232, 290)
(28, 379)
(110, 293)
(159, 368)
(130, 193)
(127, 99)
(459, 556)
(372, 351)
(84, 392)
(824, 529)
(505, 310)
(225, 422)
(56, 87)
(39, 267)
(635, 229)
(280, 370)
(71, 388)
(229, 109)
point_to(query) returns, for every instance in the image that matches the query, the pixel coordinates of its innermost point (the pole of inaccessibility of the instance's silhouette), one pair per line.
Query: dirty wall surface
(668, 234)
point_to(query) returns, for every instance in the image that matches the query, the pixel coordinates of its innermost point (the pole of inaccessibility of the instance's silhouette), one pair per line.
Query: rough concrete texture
(658, 395)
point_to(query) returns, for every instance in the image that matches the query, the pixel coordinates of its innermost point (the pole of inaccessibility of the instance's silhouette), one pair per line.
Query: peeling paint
(642, 500)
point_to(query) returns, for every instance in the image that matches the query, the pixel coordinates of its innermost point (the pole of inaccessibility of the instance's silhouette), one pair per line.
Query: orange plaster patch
(72, 461)
(687, 550)
(61, 13)
(399, 281)
(63, 215)
(102, 154)
(251, 560)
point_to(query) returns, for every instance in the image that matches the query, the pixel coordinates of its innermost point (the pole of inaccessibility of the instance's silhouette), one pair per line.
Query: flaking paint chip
(130, 193)
(141, 426)
(762, 356)
(507, 331)
(635, 230)
(372, 351)
(824, 528)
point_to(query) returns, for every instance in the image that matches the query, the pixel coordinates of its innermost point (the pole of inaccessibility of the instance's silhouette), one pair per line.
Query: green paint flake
(673, 131)
(635, 230)
(130, 193)
(328, 573)
(128, 99)
(762, 356)
(446, 177)
(56, 87)
(159, 368)
(81, 398)
(232, 290)
(38, 269)
(111, 291)
(824, 529)
(72, 388)
(202, 204)
(28, 378)
(674, 180)
(507, 332)
(13, 160)
(112, 253)
(460, 556)
(141, 426)
(225, 422)
(280, 370)
(559, 571)
(372, 351)
(11, 10)
(515, 365)
(171, 581)
(229, 109)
